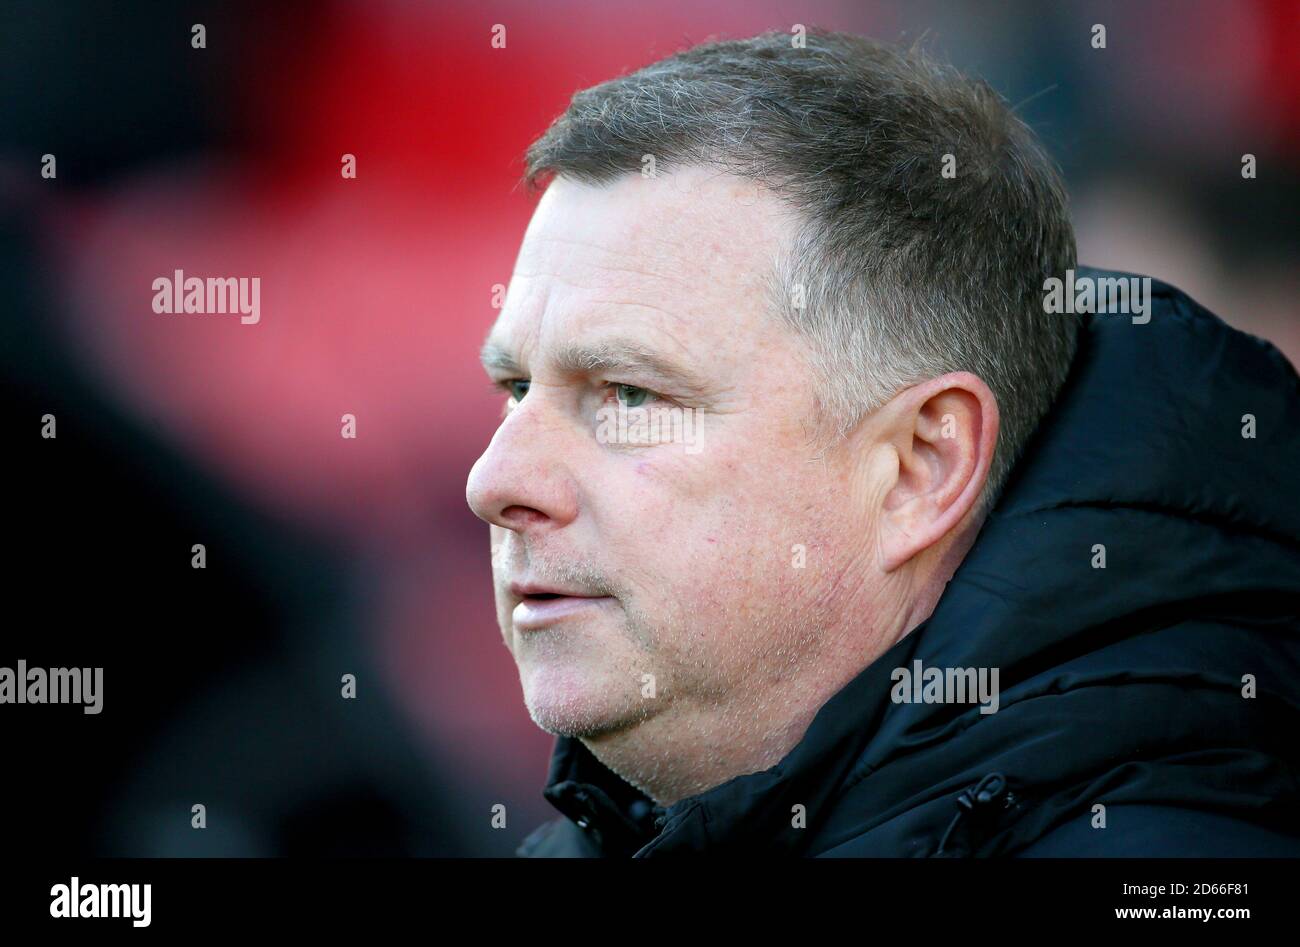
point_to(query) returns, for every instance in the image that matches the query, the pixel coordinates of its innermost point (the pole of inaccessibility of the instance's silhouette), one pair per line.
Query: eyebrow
(612, 356)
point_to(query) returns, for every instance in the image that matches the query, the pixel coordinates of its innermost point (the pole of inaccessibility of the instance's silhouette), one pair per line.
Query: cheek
(776, 547)
(720, 529)
(726, 534)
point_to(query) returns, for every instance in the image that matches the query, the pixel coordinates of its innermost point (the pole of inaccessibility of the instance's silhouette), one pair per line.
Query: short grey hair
(900, 273)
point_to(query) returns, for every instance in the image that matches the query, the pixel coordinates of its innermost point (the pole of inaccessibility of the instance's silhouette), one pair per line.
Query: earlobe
(945, 431)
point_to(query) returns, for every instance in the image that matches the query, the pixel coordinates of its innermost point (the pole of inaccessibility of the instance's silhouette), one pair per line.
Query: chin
(567, 702)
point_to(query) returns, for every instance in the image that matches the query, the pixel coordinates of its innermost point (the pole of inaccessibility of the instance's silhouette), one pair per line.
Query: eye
(632, 396)
(516, 387)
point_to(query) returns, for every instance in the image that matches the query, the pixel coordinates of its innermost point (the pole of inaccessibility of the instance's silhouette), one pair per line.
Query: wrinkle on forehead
(694, 220)
(632, 262)
(692, 250)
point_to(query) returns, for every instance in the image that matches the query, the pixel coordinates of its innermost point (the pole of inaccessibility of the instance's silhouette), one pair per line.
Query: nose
(523, 481)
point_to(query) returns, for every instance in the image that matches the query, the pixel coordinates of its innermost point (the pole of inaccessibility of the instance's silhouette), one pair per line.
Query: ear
(944, 431)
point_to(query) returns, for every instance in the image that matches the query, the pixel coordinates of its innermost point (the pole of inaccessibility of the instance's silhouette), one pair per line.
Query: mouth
(541, 607)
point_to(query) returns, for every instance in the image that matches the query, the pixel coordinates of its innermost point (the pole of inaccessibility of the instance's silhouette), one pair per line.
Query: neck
(686, 750)
(693, 746)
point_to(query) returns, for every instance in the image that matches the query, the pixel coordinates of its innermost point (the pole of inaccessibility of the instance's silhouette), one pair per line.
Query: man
(815, 532)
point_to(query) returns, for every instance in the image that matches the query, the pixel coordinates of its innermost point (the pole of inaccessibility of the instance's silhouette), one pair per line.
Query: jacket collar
(617, 817)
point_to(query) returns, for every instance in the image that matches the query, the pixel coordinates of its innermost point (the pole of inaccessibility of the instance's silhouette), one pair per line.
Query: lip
(532, 614)
(522, 589)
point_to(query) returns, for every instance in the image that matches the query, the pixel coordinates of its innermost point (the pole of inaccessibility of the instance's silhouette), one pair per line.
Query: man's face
(638, 573)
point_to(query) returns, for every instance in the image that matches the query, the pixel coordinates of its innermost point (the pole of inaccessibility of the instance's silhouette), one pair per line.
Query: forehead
(682, 260)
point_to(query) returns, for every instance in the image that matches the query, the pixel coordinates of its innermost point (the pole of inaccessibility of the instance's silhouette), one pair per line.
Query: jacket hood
(1126, 683)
